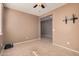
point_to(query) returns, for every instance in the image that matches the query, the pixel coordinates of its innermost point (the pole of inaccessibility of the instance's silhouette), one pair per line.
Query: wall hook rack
(74, 18)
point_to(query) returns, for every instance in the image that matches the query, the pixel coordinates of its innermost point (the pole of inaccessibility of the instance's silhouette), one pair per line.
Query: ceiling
(28, 7)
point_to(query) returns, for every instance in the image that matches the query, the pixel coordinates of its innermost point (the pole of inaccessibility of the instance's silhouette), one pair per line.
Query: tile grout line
(65, 48)
(35, 53)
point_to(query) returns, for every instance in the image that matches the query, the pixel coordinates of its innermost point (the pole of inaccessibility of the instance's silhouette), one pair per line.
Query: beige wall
(65, 32)
(1, 40)
(20, 26)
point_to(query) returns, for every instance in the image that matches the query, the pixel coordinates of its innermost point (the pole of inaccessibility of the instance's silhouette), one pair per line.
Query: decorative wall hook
(74, 18)
(65, 20)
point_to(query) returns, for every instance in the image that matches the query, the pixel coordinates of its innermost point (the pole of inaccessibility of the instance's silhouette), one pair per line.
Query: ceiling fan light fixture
(40, 5)
(35, 6)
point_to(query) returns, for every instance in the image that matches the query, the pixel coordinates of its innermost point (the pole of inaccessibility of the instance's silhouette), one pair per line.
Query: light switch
(53, 30)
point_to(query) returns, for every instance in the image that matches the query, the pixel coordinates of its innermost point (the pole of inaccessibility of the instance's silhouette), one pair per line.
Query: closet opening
(46, 27)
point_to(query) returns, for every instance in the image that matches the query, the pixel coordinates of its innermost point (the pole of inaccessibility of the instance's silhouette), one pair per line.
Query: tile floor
(41, 47)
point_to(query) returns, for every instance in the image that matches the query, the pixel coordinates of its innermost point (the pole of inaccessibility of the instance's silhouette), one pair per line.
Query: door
(46, 27)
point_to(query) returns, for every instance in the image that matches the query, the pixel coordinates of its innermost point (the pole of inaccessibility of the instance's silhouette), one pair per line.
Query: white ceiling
(28, 7)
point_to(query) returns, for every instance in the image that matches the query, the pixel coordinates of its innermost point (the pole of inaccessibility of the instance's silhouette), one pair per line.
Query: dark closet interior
(46, 27)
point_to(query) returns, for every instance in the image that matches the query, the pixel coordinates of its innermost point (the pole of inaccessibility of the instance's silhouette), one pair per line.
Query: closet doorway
(46, 27)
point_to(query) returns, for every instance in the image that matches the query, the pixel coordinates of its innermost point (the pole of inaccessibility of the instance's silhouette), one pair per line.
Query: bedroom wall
(1, 40)
(66, 35)
(19, 26)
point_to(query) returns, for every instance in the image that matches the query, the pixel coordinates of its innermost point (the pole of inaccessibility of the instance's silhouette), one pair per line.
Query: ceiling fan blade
(35, 6)
(42, 6)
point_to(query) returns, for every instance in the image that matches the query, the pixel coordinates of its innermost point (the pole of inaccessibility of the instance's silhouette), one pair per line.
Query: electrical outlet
(68, 43)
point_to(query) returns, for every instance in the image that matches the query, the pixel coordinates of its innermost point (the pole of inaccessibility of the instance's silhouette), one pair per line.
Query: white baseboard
(27, 41)
(65, 48)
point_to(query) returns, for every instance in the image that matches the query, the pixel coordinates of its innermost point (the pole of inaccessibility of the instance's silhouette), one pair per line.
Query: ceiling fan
(42, 5)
